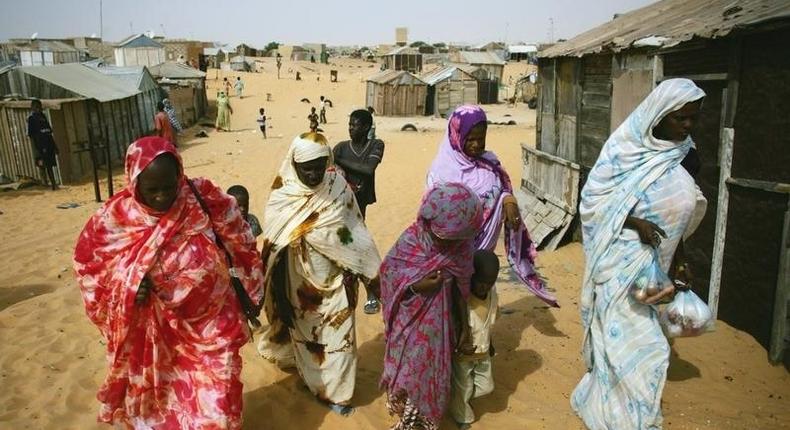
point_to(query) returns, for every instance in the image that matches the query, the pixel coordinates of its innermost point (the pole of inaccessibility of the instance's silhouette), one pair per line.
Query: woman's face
(677, 125)
(311, 173)
(157, 184)
(475, 144)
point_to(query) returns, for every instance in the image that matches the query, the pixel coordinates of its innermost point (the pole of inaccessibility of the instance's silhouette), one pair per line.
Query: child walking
(262, 121)
(313, 118)
(242, 196)
(472, 376)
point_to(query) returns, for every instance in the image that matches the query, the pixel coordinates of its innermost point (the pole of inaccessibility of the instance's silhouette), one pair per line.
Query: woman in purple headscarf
(423, 277)
(463, 158)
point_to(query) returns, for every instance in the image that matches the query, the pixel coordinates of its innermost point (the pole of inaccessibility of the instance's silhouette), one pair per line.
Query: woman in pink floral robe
(429, 265)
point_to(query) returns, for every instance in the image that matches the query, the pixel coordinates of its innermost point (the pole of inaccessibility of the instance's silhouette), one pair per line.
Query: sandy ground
(52, 358)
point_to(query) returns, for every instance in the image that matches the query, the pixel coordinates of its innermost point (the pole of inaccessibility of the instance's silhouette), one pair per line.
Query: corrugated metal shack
(139, 50)
(403, 58)
(737, 52)
(186, 90)
(40, 52)
(487, 88)
(448, 88)
(492, 63)
(94, 115)
(396, 93)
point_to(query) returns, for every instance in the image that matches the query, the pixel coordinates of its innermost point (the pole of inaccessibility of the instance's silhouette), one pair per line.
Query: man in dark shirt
(359, 158)
(44, 148)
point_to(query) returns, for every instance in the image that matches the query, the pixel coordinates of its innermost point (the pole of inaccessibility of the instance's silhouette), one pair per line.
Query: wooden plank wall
(596, 86)
(632, 81)
(546, 139)
(16, 149)
(566, 108)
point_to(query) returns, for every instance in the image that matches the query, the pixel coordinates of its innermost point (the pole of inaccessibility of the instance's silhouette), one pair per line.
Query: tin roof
(43, 45)
(669, 22)
(395, 77)
(83, 81)
(139, 41)
(484, 57)
(174, 70)
(437, 75)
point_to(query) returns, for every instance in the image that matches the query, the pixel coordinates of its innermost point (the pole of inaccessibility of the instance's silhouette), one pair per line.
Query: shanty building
(737, 53)
(186, 90)
(492, 63)
(396, 93)
(94, 116)
(139, 50)
(40, 52)
(403, 58)
(448, 88)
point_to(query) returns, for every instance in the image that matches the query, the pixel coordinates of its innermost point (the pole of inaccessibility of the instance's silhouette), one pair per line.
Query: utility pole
(551, 30)
(101, 20)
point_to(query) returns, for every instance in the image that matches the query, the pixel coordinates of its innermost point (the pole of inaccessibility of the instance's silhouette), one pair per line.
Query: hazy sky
(293, 21)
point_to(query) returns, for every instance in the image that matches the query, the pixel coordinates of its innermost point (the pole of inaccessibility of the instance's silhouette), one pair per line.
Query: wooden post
(92, 149)
(779, 328)
(729, 107)
(722, 205)
(658, 69)
(109, 165)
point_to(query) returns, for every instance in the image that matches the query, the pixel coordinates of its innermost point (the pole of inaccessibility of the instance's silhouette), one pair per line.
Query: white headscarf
(327, 216)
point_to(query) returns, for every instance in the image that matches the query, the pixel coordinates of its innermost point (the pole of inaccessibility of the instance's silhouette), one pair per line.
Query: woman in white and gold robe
(316, 247)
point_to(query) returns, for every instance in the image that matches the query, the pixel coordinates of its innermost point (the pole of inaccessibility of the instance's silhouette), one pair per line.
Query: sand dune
(52, 358)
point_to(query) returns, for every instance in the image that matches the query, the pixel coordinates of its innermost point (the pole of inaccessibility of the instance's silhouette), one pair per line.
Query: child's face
(483, 281)
(244, 204)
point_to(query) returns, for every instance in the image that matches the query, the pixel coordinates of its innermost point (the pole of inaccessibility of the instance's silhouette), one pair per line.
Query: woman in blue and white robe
(635, 208)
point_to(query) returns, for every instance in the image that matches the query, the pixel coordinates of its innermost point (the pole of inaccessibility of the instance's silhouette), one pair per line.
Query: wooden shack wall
(453, 92)
(545, 129)
(754, 225)
(400, 100)
(595, 113)
(558, 100)
(632, 81)
(411, 63)
(69, 129)
(185, 103)
(16, 150)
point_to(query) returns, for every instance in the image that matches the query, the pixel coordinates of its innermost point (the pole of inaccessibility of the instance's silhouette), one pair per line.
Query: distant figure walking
(239, 87)
(262, 121)
(322, 106)
(226, 84)
(224, 110)
(171, 115)
(313, 118)
(162, 124)
(44, 148)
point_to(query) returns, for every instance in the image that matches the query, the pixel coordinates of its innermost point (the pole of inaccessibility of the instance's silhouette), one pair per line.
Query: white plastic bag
(687, 315)
(650, 281)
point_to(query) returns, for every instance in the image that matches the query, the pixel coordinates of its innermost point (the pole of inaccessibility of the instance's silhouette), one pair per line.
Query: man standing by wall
(44, 148)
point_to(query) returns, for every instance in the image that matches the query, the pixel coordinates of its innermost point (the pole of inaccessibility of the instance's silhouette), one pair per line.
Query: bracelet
(411, 288)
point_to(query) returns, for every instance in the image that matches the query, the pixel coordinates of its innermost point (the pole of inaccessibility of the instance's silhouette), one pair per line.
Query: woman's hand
(143, 291)
(430, 283)
(512, 215)
(649, 233)
(667, 292)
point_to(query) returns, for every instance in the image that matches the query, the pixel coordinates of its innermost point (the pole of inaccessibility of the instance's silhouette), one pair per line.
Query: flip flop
(372, 306)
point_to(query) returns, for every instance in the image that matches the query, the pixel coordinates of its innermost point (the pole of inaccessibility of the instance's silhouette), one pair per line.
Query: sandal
(372, 306)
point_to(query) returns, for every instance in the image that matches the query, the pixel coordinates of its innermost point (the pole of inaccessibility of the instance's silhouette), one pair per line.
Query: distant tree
(440, 45)
(271, 46)
(418, 44)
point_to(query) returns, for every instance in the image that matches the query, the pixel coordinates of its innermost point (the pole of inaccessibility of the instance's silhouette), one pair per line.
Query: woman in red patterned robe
(157, 285)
